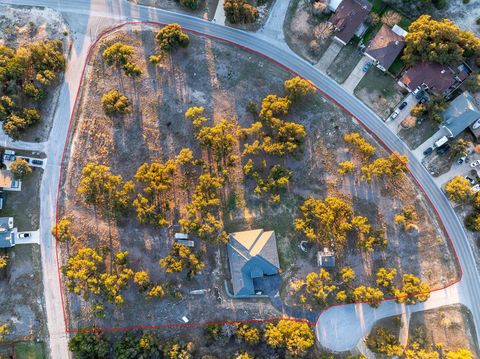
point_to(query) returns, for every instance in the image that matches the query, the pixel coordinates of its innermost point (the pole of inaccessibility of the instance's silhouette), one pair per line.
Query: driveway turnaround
(87, 19)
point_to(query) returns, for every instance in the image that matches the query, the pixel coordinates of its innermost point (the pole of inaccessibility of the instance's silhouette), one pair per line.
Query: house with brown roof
(385, 47)
(438, 79)
(348, 19)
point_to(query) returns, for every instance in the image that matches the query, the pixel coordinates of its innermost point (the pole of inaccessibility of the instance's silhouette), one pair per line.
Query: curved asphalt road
(87, 18)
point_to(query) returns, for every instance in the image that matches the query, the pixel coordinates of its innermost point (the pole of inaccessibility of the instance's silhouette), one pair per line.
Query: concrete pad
(358, 319)
(328, 56)
(356, 75)
(33, 239)
(395, 124)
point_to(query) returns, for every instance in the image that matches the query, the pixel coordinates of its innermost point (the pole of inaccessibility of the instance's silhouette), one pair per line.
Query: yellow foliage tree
(295, 337)
(459, 189)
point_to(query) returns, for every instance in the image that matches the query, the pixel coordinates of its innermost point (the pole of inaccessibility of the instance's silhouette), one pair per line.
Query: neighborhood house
(252, 255)
(7, 232)
(439, 79)
(462, 112)
(348, 20)
(386, 46)
(8, 182)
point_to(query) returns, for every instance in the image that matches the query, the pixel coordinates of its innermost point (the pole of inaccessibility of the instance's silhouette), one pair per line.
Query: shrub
(113, 102)
(171, 37)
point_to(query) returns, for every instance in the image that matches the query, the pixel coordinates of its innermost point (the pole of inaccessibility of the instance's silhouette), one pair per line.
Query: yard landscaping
(158, 112)
(344, 63)
(379, 91)
(298, 30)
(22, 306)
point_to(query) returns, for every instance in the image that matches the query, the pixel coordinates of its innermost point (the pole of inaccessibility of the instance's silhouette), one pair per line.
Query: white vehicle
(475, 163)
(476, 124)
(24, 235)
(395, 114)
(181, 236)
(440, 142)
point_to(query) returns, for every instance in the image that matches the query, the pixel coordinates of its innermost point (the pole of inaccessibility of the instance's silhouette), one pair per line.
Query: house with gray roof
(7, 232)
(251, 255)
(462, 112)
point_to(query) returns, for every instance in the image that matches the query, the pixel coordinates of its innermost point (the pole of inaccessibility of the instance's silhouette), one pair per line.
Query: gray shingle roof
(251, 254)
(461, 113)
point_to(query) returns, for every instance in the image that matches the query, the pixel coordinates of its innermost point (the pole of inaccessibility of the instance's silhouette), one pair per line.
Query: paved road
(88, 17)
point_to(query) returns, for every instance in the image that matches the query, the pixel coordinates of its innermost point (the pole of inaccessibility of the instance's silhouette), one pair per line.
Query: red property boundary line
(163, 326)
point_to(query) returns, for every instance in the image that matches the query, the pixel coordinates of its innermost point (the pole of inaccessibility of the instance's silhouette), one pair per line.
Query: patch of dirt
(21, 298)
(439, 165)
(451, 325)
(205, 10)
(20, 25)
(223, 79)
(379, 91)
(298, 30)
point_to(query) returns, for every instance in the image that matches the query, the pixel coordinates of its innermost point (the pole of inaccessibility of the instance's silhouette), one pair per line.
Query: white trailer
(440, 142)
(181, 236)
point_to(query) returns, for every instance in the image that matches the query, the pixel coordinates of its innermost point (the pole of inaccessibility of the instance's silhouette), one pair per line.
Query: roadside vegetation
(27, 75)
(285, 338)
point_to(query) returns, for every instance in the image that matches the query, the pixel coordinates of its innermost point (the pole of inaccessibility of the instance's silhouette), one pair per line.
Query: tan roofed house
(251, 254)
(385, 47)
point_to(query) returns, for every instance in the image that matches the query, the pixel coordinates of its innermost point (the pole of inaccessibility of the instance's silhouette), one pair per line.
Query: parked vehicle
(461, 160)
(470, 179)
(395, 114)
(441, 150)
(475, 163)
(37, 162)
(440, 142)
(367, 66)
(24, 235)
(402, 105)
(428, 151)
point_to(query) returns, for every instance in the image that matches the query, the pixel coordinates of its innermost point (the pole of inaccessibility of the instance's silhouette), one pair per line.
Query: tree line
(287, 337)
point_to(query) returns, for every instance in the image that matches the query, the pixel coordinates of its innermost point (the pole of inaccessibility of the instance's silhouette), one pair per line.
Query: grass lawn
(30, 350)
(417, 135)
(378, 6)
(397, 66)
(378, 91)
(344, 63)
(24, 206)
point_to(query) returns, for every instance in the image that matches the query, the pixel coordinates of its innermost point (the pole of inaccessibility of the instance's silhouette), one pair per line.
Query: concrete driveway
(418, 152)
(395, 124)
(328, 56)
(34, 238)
(356, 75)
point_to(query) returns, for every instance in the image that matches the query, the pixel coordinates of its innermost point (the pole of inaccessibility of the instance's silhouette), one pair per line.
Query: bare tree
(319, 7)
(323, 31)
(391, 18)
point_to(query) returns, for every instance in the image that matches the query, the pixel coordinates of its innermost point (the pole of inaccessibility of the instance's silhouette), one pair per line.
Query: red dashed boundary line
(163, 326)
